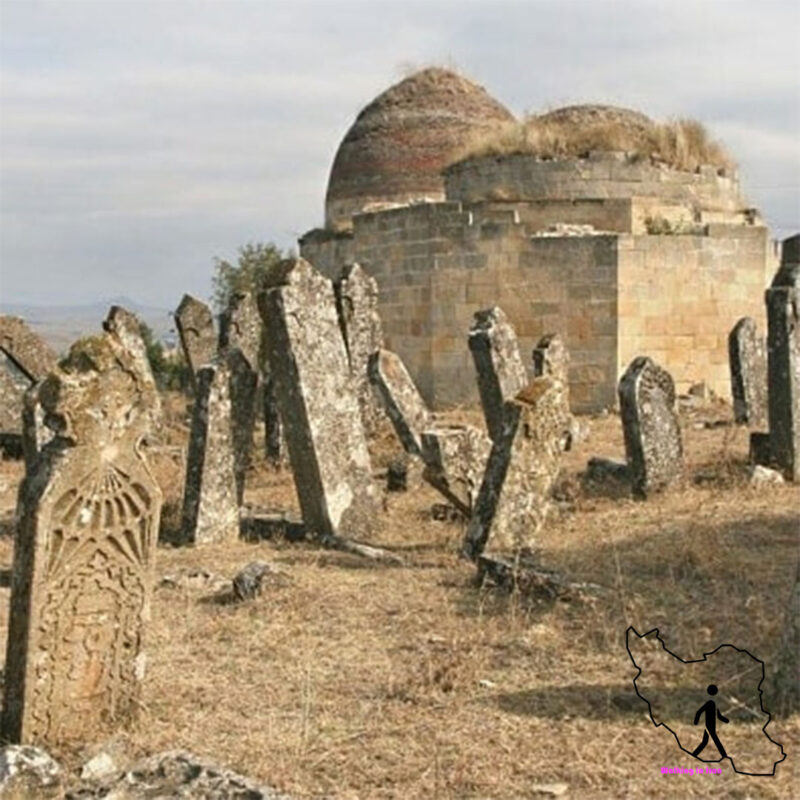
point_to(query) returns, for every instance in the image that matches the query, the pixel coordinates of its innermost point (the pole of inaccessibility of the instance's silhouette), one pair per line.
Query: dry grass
(362, 681)
(682, 144)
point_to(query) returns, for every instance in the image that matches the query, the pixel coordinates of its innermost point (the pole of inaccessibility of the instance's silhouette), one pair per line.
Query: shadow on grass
(5, 577)
(7, 526)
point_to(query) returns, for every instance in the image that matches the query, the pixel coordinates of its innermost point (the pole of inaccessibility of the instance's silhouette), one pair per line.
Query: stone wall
(679, 297)
(611, 296)
(601, 175)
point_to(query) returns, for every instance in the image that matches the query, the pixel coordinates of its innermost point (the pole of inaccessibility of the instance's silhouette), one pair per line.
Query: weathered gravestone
(195, 325)
(357, 305)
(455, 457)
(551, 358)
(210, 495)
(501, 373)
(239, 344)
(748, 363)
(783, 361)
(401, 400)
(24, 359)
(319, 408)
(83, 557)
(650, 426)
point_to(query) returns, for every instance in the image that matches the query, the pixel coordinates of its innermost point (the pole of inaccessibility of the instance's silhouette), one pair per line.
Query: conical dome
(395, 150)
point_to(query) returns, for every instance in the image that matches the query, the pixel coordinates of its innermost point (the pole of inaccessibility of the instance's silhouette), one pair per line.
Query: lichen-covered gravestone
(210, 497)
(650, 426)
(81, 583)
(402, 401)
(24, 359)
(319, 407)
(514, 496)
(783, 361)
(501, 373)
(195, 325)
(748, 363)
(357, 306)
(551, 358)
(239, 343)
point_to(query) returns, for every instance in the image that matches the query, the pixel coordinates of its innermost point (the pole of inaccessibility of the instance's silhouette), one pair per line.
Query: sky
(139, 140)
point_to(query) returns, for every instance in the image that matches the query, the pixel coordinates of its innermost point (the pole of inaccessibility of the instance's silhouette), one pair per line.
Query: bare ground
(357, 680)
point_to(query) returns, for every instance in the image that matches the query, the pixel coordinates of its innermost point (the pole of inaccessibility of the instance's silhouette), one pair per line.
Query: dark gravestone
(650, 426)
(783, 361)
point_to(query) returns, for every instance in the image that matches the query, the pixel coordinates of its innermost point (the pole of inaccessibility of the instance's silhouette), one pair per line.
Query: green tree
(247, 274)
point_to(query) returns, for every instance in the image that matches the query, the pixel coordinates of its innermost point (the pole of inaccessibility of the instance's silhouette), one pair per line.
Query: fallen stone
(176, 775)
(100, 766)
(29, 773)
(258, 526)
(601, 470)
(249, 582)
(764, 476)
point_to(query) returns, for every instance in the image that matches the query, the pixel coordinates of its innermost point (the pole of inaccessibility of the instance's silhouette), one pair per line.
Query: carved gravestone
(455, 457)
(783, 361)
(401, 400)
(357, 306)
(514, 496)
(501, 373)
(195, 325)
(650, 426)
(24, 359)
(240, 343)
(210, 498)
(748, 363)
(319, 408)
(83, 557)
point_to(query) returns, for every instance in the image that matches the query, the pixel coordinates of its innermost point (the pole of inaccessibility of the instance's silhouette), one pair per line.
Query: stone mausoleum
(623, 255)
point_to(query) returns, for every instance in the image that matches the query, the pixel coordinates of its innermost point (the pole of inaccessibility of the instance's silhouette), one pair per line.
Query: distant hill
(62, 325)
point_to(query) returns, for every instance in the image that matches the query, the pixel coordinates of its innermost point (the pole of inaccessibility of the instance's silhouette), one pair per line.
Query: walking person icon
(709, 708)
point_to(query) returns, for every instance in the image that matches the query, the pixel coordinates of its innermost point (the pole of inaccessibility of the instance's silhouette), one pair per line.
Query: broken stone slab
(29, 772)
(127, 331)
(402, 401)
(357, 306)
(501, 373)
(251, 580)
(515, 494)
(318, 404)
(210, 497)
(240, 328)
(650, 426)
(176, 775)
(748, 365)
(455, 457)
(89, 515)
(258, 525)
(195, 324)
(29, 352)
(551, 357)
(783, 361)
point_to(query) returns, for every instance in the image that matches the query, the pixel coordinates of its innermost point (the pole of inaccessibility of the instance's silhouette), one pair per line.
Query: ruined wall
(601, 175)
(679, 297)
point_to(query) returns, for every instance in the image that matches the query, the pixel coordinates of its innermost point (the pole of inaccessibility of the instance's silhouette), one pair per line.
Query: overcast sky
(141, 139)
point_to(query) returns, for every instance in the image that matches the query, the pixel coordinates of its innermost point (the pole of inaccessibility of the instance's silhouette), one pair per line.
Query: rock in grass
(764, 476)
(28, 772)
(249, 582)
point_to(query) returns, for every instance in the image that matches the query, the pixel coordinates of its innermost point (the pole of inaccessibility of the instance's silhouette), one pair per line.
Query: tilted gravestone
(239, 343)
(195, 325)
(357, 306)
(501, 373)
(783, 361)
(748, 364)
(319, 407)
(24, 359)
(210, 495)
(650, 426)
(455, 457)
(83, 559)
(514, 496)
(401, 400)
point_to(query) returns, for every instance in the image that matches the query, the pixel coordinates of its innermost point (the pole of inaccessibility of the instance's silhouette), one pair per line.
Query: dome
(582, 116)
(398, 145)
